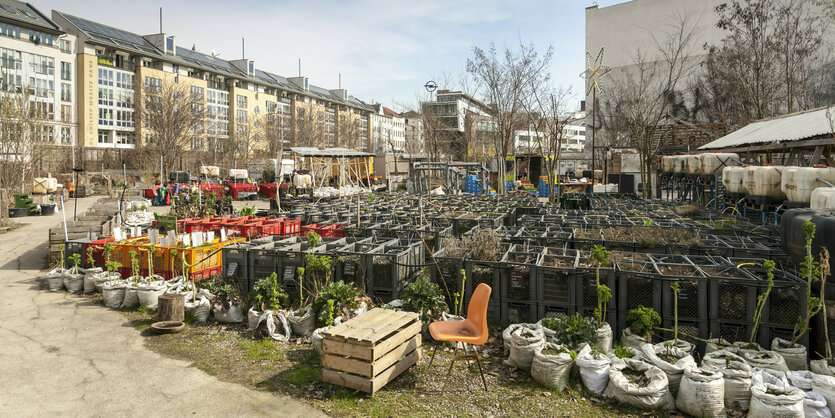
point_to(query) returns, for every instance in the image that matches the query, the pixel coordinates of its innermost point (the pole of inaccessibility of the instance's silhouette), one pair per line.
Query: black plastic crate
(687, 329)
(353, 263)
(75, 246)
(769, 332)
(546, 310)
(731, 331)
(638, 285)
(383, 296)
(518, 312)
(732, 293)
(483, 272)
(556, 280)
(392, 267)
(693, 293)
(518, 276)
(236, 263)
(446, 273)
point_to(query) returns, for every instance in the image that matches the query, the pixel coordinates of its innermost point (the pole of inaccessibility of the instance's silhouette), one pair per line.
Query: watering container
(210, 170)
(692, 163)
(799, 182)
(44, 185)
(678, 164)
(764, 180)
(823, 197)
(732, 179)
(715, 163)
(238, 173)
(794, 241)
(668, 163)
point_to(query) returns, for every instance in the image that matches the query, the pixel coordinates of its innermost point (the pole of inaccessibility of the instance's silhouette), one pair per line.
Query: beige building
(115, 67)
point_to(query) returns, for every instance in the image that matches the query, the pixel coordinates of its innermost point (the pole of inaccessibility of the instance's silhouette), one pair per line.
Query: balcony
(116, 63)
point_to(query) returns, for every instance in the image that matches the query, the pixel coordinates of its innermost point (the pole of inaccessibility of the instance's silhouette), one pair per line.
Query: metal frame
(456, 356)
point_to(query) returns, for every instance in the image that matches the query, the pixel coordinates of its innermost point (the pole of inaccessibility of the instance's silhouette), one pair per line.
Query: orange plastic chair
(472, 330)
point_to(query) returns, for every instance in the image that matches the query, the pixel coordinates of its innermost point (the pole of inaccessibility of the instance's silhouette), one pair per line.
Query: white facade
(41, 63)
(573, 140)
(389, 130)
(414, 133)
(452, 108)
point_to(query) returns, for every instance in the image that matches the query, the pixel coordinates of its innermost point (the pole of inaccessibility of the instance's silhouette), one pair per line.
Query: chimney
(244, 65)
(300, 82)
(166, 44)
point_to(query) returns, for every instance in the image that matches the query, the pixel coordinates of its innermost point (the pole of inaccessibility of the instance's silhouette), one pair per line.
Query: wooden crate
(367, 352)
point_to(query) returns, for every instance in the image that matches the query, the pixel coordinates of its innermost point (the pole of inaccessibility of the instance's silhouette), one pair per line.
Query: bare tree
(547, 108)
(640, 95)
(24, 140)
(310, 127)
(247, 137)
(504, 79)
(168, 115)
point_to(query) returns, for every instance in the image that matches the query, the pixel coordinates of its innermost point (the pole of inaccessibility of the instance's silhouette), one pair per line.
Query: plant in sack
(601, 256)
(524, 343)
(334, 299)
(150, 292)
(642, 323)
(792, 352)
(113, 290)
(111, 274)
(91, 273)
(774, 397)
(55, 278)
(753, 353)
(594, 368)
(824, 385)
(675, 342)
(639, 384)
(267, 298)
(702, 393)
(736, 373)
(551, 366)
(227, 308)
(73, 279)
(574, 331)
(425, 298)
(131, 288)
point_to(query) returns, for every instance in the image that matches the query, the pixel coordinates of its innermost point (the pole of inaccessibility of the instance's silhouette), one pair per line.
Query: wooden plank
(389, 374)
(366, 324)
(343, 348)
(336, 332)
(370, 369)
(402, 321)
(367, 385)
(390, 343)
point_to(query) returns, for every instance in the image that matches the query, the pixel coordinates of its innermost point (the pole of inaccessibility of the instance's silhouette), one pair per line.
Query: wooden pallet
(367, 352)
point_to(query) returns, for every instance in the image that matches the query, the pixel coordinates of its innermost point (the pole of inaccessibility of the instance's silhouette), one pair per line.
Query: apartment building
(413, 131)
(463, 121)
(389, 134)
(116, 68)
(36, 61)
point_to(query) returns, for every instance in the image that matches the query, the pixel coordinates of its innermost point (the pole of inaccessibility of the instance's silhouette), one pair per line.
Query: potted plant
(131, 287)
(55, 278)
(601, 256)
(227, 307)
(150, 292)
(91, 273)
(676, 342)
(113, 290)
(336, 299)
(73, 279)
(425, 298)
(266, 295)
(642, 322)
(792, 352)
(111, 273)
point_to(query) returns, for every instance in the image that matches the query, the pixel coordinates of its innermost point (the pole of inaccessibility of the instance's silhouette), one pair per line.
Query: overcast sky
(385, 50)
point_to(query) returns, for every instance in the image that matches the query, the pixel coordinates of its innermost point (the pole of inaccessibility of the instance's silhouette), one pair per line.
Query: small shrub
(339, 296)
(622, 351)
(642, 321)
(267, 294)
(574, 330)
(425, 298)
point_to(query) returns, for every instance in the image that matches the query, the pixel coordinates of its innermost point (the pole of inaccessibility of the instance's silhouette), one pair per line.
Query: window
(66, 135)
(66, 72)
(300, 112)
(240, 101)
(153, 85)
(104, 137)
(105, 117)
(197, 93)
(66, 113)
(271, 107)
(125, 138)
(11, 31)
(197, 144)
(242, 130)
(66, 90)
(241, 116)
(65, 46)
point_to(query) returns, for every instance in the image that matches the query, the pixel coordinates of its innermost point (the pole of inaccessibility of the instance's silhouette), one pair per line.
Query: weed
(303, 375)
(261, 350)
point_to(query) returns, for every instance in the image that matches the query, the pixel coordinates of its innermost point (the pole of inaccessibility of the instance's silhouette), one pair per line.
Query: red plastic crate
(291, 227)
(98, 251)
(150, 194)
(267, 190)
(235, 188)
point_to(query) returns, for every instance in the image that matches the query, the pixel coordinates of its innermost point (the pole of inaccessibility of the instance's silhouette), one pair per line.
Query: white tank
(692, 163)
(732, 179)
(668, 163)
(714, 163)
(238, 173)
(799, 182)
(302, 181)
(678, 164)
(823, 198)
(44, 185)
(764, 180)
(210, 170)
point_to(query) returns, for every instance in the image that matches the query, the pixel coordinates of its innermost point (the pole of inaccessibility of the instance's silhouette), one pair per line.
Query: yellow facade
(166, 77)
(88, 105)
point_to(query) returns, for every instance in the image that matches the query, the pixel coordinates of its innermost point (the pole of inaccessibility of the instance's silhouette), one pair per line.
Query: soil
(719, 272)
(622, 255)
(668, 358)
(521, 259)
(635, 377)
(558, 261)
(676, 270)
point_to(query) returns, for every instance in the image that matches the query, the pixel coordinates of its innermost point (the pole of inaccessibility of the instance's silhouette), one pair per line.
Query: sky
(385, 51)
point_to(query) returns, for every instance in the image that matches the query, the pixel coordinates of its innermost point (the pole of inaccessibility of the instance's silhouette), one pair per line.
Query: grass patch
(304, 375)
(261, 350)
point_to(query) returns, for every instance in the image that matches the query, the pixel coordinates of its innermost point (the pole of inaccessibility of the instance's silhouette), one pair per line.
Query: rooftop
(26, 14)
(796, 126)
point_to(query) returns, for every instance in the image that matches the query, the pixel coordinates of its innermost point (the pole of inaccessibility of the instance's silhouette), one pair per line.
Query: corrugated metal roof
(793, 127)
(329, 152)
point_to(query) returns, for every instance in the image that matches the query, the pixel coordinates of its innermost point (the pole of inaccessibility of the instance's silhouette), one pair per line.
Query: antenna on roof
(340, 81)
(160, 20)
(300, 67)
(194, 47)
(243, 48)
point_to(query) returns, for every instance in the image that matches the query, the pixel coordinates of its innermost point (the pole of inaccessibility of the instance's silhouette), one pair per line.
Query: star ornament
(594, 71)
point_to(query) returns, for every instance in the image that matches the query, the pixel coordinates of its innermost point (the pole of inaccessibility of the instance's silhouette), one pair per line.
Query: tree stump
(171, 307)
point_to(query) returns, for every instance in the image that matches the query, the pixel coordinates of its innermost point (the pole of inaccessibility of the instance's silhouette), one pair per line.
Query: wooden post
(171, 307)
